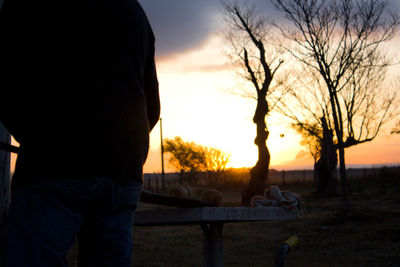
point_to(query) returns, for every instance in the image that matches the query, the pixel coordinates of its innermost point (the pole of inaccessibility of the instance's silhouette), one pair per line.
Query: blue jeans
(46, 216)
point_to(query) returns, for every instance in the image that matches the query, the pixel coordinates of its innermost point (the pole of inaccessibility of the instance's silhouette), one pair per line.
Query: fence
(238, 178)
(291, 177)
(153, 181)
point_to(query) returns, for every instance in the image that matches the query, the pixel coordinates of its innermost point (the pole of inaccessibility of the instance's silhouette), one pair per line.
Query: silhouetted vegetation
(396, 130)
(190, 159)
(216, 161)
(320, 144)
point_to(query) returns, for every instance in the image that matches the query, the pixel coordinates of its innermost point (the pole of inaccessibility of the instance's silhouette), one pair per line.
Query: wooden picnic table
(212, 220)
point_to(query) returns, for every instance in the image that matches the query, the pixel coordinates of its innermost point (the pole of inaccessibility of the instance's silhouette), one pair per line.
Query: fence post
(181, 178)
(304, 177)
(157, 184)
(283, 177)
(5, 159)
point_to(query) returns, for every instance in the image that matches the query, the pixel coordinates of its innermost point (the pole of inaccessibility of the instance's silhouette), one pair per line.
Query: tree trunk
(325, 168)
(4, 178)
(326, 177)
(337, 118)
(343, 177)
(259, 173)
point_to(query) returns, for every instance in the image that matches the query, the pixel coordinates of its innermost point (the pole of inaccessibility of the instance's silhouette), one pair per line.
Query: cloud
(183, 24)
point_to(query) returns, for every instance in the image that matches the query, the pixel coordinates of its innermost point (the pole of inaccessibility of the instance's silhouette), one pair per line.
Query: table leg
(212, 244)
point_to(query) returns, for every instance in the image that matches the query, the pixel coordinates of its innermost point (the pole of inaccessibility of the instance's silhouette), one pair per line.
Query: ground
(369, 236)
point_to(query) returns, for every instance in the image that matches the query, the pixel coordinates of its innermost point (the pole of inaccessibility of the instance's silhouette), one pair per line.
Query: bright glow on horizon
(197, 106)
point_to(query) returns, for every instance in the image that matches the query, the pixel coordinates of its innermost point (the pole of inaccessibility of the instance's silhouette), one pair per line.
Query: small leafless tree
(216, 161)
(339, 44)
(310, 141)
(247, 34)
(318, 139)
(396, 130)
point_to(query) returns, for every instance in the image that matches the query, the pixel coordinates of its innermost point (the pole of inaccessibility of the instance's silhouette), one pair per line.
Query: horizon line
(305, 167)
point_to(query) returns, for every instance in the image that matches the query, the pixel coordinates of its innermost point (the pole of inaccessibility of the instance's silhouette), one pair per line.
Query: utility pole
(162, 157)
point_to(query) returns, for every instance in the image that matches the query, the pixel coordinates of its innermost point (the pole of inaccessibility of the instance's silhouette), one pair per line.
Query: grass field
(369, 236)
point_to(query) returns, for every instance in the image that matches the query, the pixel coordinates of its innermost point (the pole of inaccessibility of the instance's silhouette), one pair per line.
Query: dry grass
(369, 236)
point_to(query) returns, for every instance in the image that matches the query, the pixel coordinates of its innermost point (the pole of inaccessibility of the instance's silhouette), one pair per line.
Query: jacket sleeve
(151, 86)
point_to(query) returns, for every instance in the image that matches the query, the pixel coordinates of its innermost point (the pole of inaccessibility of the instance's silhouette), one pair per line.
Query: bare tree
(312, 142)
(318, 139)
(247, 34)
(339, 43)
(396, 130)
(216, 161)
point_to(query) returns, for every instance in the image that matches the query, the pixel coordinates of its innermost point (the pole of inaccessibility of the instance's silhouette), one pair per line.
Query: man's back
(81, 86)
(80, 94)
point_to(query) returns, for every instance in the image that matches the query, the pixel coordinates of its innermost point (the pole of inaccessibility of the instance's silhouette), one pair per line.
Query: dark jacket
(78, 87)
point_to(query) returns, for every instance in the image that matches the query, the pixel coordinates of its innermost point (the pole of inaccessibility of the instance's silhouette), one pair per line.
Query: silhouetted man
(79, 92)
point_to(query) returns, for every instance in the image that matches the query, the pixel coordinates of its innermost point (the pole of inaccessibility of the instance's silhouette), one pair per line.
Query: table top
(213, 214)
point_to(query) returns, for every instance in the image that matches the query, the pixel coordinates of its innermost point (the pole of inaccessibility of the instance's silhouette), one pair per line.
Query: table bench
(211, 220)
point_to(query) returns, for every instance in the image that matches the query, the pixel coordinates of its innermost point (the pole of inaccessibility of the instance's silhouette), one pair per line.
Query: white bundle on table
(274, 197)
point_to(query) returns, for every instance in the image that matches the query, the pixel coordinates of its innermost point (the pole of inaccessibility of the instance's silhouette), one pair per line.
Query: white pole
(162, 157)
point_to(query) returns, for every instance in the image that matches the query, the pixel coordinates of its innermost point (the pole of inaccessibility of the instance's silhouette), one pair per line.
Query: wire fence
(238, 178)
(153, 181)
